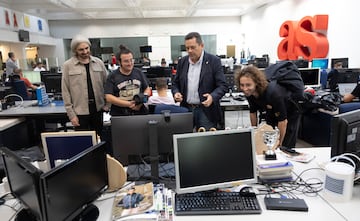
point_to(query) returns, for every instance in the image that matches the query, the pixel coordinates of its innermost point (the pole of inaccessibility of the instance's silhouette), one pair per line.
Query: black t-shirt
(125, 87)
(278, 108)
(356, 91)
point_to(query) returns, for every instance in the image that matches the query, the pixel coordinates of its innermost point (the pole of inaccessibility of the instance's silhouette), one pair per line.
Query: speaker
(339, 179)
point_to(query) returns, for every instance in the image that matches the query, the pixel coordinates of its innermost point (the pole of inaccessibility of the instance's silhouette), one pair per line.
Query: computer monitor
(344, 61)
(301, 63)
(321, 63)
(210, 160)
(345, 133)
(310, 76)
(70, 188)
(64, 145)
(158, 72)
(52, 82)
(23, 180)
(131, 135)
(145, 49)
(347, 75)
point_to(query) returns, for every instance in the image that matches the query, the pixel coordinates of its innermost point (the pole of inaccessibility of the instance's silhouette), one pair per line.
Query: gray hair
(78, 39)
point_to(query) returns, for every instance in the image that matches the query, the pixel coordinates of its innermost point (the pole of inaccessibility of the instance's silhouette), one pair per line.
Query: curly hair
(255, 74)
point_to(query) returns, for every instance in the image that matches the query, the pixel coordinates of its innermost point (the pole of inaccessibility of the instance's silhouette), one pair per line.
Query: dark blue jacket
(212, 81)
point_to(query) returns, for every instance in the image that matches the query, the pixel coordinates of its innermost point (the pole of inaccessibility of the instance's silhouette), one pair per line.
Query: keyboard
(216, 203)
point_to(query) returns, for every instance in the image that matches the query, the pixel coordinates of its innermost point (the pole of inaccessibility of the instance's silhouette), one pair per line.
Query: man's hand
(75, 121)
(178, 97)
(208, 101)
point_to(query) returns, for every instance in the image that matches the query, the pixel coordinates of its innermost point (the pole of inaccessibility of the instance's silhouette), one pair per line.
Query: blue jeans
(201, 120)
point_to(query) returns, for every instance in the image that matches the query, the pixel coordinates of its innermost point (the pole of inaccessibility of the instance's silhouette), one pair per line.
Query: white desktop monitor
(214, 159)
(311, 77)
(64, 145)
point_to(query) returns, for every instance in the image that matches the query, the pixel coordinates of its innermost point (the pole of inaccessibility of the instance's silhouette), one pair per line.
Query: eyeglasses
(128, 61)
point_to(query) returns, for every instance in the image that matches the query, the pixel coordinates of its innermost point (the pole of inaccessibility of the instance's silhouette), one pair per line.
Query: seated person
(332, 76)
(162, 97)
(354, 94)
(39, 67)
(27, 82)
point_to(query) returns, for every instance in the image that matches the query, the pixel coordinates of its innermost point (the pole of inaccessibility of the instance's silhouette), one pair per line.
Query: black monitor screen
(145, 49)
(348, 75)
(130, 134)
(345, 133)
(158, 72)
(310, 76)
(211, 160)
(69, 188)
(23, 179)
(301, 63)
(52, 82)
(344, 62)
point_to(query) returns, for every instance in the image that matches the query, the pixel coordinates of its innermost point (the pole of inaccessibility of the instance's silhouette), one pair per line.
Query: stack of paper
(274, 170)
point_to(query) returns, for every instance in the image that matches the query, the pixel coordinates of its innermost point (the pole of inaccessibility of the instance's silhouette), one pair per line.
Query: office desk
(235, 113)
(28, 109)
(319, 207)
(37, 116)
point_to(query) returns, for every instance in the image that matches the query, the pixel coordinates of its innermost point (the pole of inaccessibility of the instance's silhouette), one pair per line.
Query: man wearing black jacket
(199, 83)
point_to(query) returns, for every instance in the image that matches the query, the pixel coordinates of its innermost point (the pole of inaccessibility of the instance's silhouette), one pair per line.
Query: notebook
(346, 88)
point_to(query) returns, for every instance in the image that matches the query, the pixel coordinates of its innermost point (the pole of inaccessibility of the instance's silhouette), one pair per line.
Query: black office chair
(159, 108)
(20, 89)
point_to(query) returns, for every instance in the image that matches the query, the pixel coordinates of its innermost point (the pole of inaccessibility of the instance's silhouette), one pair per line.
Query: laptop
(346, 88)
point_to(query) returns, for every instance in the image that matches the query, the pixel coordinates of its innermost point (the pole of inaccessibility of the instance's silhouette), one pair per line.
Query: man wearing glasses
(123, 84)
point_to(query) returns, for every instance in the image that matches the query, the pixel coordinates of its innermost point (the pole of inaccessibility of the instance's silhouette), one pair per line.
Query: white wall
(257, 30)
(262, 26)
(158, 30)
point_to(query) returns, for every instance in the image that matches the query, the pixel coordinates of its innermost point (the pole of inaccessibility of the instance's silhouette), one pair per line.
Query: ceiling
(129, 9)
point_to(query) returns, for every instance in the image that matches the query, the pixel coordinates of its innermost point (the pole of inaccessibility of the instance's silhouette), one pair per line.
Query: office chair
(346, 107)
(159, 108)
(20, 89)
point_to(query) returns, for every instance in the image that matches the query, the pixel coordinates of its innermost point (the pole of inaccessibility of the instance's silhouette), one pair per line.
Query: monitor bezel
(122, 135)
(318, 84)
(325, 60)
(34, 173)
(213, 186)
(46, 135)
(74, 161)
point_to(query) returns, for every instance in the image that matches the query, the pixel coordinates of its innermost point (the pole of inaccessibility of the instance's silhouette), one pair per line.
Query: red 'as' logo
(305, 38)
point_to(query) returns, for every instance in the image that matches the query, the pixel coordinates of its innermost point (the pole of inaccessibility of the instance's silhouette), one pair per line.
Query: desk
(235, 113)
(29, 109)
(38, 115)
(319, 207)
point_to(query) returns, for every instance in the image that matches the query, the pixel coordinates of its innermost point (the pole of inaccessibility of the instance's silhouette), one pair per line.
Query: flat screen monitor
(64, 145)
(301, 63)
(344, 62)
(210, 160)
(23, 180)
(310, 76)
(345, 133)
(321, 63)
(158, 72)
(51, 81)
(347, 75)
(131, 139)
(145, 49)
(71, 187)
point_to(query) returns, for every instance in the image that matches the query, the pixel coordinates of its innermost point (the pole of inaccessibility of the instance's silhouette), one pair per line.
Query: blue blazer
(212, 81)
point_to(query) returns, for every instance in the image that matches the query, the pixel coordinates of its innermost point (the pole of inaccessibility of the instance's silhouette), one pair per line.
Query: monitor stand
(153, 150)
(90, 213)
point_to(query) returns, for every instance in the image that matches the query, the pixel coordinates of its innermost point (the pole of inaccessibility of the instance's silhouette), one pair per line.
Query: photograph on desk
(137, 199)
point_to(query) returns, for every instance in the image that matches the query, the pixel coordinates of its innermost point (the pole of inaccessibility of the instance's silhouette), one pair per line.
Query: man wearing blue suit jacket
(199, 83)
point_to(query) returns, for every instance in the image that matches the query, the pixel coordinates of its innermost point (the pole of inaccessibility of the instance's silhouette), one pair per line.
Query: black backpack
(287, 75)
